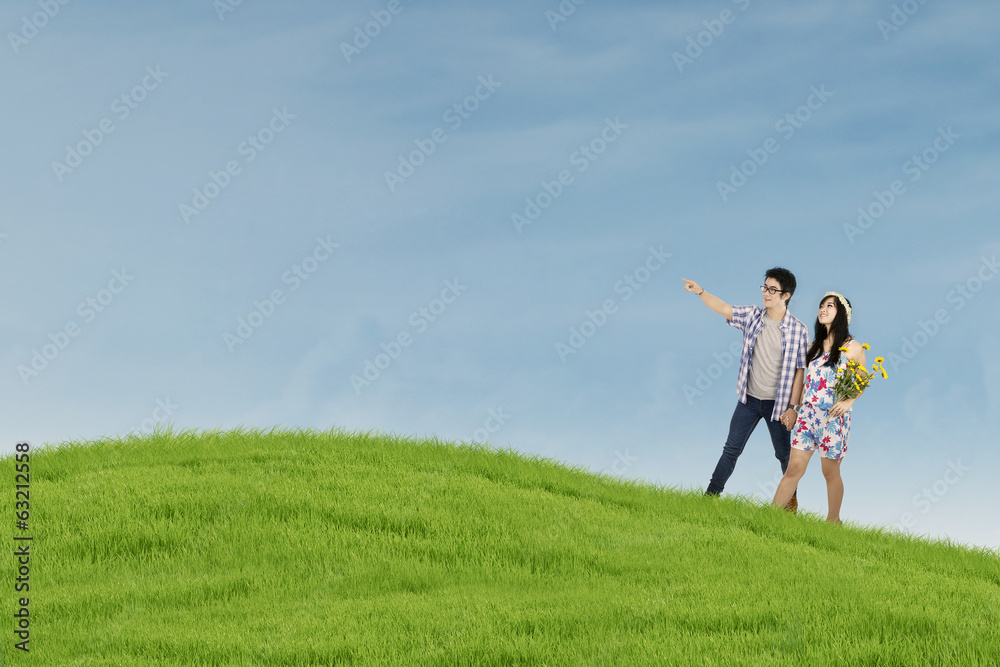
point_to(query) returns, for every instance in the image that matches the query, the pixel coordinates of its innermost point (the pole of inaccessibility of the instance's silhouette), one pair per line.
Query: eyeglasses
(772, 290)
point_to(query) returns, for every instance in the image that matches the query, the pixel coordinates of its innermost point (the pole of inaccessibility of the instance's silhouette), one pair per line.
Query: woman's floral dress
(812, 431)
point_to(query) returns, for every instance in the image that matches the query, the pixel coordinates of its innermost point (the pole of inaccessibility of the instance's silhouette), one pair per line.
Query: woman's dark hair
(840, 334)
(785, 278)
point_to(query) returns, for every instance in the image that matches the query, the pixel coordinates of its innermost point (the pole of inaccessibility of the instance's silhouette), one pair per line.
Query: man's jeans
(744, 421)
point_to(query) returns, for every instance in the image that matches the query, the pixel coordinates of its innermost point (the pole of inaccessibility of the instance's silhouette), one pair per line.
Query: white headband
(843, 301)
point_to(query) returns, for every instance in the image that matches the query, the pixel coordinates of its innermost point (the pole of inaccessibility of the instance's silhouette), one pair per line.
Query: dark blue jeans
(744, 421)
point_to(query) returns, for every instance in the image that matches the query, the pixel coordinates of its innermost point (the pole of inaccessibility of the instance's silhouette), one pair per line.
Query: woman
(822, 423)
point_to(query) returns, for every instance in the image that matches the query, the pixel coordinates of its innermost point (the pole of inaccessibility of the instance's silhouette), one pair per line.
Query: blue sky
(121, 120)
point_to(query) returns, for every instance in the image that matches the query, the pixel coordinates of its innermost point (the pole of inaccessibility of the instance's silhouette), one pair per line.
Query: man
(772, 366)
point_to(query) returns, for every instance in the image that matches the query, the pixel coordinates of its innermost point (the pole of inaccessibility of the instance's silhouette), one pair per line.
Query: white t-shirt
(765, 362)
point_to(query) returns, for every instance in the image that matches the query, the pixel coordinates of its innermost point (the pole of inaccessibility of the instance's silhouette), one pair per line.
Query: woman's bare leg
(834, 487)
(797, 462)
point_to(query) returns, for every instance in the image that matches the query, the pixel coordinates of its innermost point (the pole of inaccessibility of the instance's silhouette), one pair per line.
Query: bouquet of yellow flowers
(853, 378)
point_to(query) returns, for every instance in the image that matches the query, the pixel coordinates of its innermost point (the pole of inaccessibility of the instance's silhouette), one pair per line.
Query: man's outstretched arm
(710, 300)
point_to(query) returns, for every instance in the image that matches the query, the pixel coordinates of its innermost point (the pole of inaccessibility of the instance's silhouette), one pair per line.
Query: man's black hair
(785, 278)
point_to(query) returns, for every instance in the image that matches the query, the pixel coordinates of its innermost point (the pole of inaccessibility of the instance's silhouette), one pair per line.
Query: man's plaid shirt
(794, 345)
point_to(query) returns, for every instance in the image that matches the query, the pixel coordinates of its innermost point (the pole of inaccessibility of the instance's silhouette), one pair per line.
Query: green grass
(326, 548)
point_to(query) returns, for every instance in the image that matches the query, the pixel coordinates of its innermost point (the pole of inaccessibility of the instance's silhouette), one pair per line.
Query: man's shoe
(793, 505)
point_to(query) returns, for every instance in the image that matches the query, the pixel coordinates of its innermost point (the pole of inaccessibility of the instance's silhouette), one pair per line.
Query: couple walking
(788, 382)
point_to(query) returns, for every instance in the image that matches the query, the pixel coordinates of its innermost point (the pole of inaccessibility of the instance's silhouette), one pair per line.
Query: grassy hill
(326, 548)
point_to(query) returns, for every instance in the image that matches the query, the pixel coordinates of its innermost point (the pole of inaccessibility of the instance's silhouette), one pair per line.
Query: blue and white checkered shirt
(794, 344)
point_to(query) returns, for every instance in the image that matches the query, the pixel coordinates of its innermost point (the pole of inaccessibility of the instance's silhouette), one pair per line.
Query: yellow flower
(879, 360)
(884, 375)
(843, 349)
(866, 346)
